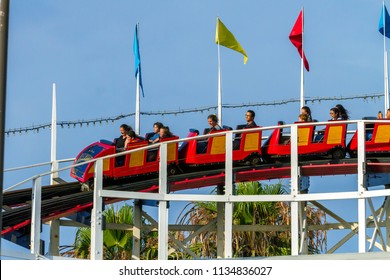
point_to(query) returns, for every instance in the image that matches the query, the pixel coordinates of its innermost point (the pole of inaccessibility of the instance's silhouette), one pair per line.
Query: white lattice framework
(368, 216)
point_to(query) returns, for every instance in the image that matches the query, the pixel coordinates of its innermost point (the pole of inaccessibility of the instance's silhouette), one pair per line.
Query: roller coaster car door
(335, 134)
(138, 158)
(217, 145)
(305, 135)
(306, 142)
(250, 148)
(381, 133)
(134, 162)
(251, 141)
(380, 141)
(172, 156)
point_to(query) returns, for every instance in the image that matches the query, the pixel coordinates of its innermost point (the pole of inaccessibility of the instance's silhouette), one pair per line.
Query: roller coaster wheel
(267, 159)
(338, 153)
(353, 154)
(254, 160)
(172, 170)
(87, 186)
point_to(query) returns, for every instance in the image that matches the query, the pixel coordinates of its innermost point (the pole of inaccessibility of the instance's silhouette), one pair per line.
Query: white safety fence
(295, 197)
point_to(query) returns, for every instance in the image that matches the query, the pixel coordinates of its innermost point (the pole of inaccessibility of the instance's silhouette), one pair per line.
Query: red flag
(296, 38)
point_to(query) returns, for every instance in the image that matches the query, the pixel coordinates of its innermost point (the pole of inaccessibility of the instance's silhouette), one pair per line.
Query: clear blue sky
(85, 47)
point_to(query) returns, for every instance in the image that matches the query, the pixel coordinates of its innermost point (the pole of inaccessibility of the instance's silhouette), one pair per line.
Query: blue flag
(137, 58)
(384, 22)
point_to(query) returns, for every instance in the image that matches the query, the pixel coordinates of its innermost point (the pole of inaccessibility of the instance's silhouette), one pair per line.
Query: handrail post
(36, 202)
(97, 214)
(228, 193)
(361, 186)
(294, 191)
(163, 205)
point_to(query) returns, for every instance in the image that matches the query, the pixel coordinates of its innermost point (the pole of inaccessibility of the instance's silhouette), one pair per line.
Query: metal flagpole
(219, 87)
(386, 82)
(4, 14)
(137, 99)
(53, 153)
(386, 77)
(302, 64)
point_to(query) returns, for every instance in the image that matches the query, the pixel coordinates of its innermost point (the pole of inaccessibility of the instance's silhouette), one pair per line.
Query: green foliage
(118, 243)
(252, 243)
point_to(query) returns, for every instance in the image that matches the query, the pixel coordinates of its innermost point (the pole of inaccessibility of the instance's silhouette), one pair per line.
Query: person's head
(380, 115)
(303, 117)
(388, 114)
(157, 126)
(250, 116)
(131, 134)
(343, 113)
(124, 129)
(212, 120)
(164, 132)
(306, 110)
(334, 113)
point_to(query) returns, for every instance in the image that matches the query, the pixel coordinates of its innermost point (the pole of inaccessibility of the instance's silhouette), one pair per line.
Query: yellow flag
(225, 38)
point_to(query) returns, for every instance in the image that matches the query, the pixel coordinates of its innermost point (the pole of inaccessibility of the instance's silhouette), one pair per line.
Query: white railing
(55, 171)
(295, 197)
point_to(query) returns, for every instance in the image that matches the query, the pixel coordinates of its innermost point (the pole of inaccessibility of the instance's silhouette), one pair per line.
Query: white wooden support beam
(163, 205)
(97, 214)
(387, 219)
(361, 186)
(53, 152)
(54, 245)
(220, 225)
(36, 217)
(228, 193)
(137, 221)
(294, 191)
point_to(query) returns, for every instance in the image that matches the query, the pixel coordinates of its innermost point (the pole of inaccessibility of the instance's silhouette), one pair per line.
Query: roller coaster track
(62, 200)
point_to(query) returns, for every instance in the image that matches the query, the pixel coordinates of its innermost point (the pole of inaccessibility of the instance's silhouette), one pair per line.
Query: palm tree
(201, 213)
(117, 244)
(149, 246)
(253, 243)
(259, 213)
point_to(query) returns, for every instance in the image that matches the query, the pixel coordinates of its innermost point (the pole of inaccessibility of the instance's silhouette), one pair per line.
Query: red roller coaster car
(246, 149)
(313, 140)
(377, 139)
(141, 162)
